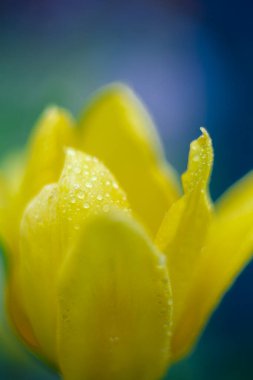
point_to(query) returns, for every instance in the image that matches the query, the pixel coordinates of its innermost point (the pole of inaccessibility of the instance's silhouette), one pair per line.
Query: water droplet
(162, 259)
(114, 339)
(94, 178)
(115, 185)
(80, 195)
(99, 197)
(71, 152)
(86, 205)
(170, 302)
(88, 185)
(108, 183)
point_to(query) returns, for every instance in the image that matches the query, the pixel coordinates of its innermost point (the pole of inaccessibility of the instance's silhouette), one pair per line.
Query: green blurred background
(191, 62)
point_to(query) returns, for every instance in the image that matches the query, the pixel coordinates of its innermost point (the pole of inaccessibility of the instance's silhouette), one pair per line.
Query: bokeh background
(191, 61)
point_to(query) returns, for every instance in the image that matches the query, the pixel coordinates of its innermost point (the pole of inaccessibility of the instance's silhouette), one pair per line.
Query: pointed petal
(184, 229)
(114, 304)
(46, 155)
(117, 129)
(41, 166)
(86, 187)
(228, 249)
(49, 227)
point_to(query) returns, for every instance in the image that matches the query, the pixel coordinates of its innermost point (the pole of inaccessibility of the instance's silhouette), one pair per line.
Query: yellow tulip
(113, 274)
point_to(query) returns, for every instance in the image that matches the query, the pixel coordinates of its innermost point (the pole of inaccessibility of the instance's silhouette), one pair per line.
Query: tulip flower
(113, 271)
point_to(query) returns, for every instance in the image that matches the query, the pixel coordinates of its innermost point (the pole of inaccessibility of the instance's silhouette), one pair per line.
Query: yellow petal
(237, 198)
(46, 155)
(49, 228)
(115, 301)
(117, 129)
(11, 350)
(39, 258)
(228, 249)
(11, 173)
(86, 187)
(184, 229)
(43, 165)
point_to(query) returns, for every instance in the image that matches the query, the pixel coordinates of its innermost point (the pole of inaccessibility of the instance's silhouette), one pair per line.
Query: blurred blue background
(191, 61)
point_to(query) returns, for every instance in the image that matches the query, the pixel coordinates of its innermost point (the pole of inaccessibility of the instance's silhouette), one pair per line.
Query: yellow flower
(112, 272)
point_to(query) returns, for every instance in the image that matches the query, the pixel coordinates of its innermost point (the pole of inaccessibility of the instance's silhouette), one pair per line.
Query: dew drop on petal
(80, 195)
